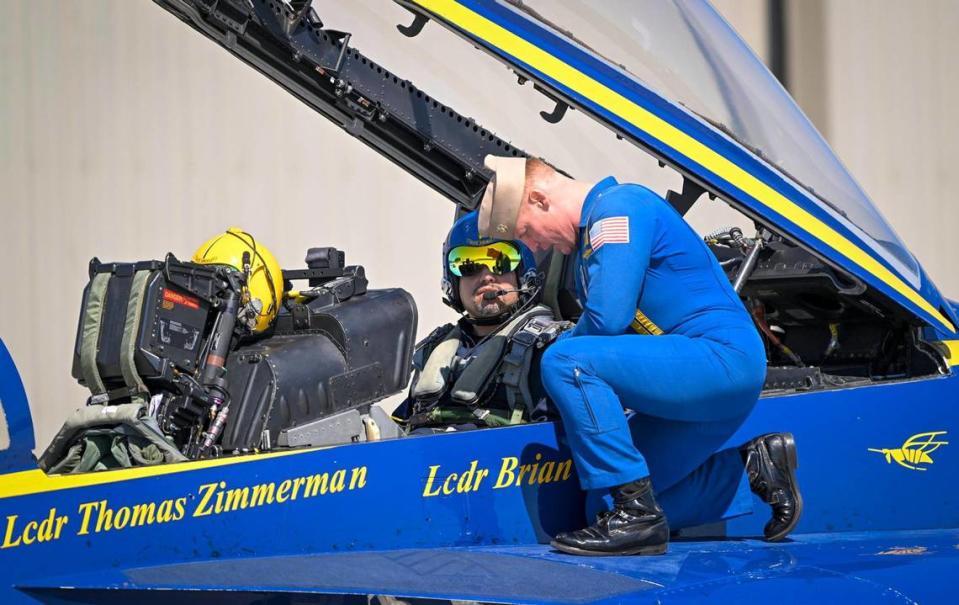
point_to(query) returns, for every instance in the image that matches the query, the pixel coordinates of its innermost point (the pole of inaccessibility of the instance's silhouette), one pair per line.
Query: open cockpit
(150, 330)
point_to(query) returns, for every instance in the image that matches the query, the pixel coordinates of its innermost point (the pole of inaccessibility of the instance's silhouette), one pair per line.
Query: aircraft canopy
(686, 52)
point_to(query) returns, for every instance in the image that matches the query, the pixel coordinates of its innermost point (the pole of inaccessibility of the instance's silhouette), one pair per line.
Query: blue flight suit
(663, 334)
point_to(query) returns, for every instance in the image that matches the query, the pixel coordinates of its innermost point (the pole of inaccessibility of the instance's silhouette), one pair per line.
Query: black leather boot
(635, 526)
(771, 465)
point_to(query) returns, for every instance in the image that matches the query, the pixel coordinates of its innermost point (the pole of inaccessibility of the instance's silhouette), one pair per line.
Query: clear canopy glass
(684, 50)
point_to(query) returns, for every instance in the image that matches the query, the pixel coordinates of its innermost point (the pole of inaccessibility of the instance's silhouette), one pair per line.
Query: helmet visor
(498, 257)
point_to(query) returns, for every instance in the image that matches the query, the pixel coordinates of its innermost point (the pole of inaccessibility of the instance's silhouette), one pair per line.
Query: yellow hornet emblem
(915, 451)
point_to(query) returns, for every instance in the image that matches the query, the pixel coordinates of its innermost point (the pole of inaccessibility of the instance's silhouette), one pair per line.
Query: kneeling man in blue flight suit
(663, 334)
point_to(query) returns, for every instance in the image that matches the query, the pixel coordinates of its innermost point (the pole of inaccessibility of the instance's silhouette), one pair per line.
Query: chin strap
(491, 321)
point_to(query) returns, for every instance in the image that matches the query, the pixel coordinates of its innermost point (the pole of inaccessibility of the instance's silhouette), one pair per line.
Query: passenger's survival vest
(504, 360)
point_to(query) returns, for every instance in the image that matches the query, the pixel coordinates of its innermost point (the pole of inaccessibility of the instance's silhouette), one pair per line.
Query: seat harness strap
(90, 334)
(128, 343)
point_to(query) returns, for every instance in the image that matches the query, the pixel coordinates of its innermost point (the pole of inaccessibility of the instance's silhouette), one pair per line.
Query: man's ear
(538, 198)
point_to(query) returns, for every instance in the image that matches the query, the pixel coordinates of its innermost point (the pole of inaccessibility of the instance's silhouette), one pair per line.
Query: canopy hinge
(554, 116)
(413, 29)
(682, 202)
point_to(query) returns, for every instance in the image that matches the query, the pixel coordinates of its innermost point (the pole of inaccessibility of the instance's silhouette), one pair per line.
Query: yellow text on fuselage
(510, 474)
(18, 532)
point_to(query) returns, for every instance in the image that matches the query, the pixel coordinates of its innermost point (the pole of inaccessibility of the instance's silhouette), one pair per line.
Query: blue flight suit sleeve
(615, 269)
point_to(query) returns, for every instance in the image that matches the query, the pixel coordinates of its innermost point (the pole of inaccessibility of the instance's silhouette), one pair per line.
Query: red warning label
(180, 299)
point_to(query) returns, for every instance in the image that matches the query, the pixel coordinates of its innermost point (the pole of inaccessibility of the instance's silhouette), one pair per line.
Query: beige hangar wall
(892, 100)
(879, 79)
(124, 135)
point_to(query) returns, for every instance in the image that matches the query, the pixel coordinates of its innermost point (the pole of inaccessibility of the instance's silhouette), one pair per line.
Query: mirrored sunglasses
(498, 257)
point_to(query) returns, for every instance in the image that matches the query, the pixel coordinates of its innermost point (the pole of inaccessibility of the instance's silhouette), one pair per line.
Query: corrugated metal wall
(124, 134)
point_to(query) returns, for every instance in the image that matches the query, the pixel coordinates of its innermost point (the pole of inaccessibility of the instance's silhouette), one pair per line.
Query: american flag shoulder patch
(611, 230)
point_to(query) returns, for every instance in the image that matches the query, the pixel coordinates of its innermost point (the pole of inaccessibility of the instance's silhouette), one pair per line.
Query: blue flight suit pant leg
(715, 490)
(690, 396)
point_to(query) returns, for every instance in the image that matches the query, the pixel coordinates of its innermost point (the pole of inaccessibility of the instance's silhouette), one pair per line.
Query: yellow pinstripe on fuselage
(952, 351)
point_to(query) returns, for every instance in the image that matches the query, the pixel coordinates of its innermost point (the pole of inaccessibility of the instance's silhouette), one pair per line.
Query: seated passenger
(483, 371)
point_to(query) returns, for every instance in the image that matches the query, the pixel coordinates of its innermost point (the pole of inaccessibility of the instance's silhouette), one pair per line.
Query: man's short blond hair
(536, 169)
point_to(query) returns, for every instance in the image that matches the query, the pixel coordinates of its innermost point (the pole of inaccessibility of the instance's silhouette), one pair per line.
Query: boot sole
(792, 462)
(653, 549)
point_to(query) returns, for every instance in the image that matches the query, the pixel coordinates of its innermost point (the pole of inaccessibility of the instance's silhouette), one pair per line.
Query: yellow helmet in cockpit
(265, 281)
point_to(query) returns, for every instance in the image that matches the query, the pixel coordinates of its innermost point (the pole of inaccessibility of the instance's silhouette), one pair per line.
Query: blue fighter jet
(862, 356)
